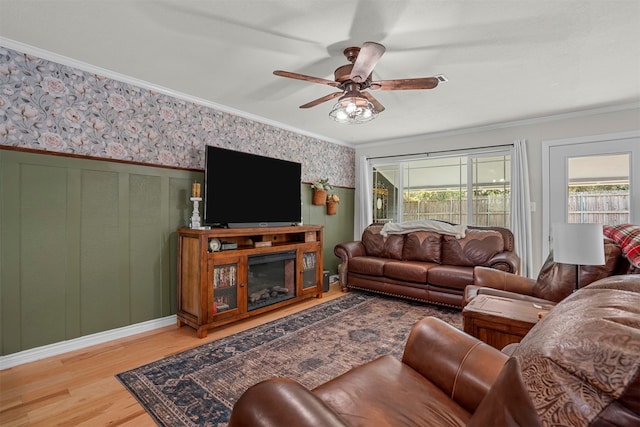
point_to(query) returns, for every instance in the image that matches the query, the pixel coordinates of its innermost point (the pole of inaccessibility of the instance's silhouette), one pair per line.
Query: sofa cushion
(450, 276)
(476, 248)
(556, 281)
(373, 266)
(580, 362)
(380, 246)
(410, 271)
(422, 246)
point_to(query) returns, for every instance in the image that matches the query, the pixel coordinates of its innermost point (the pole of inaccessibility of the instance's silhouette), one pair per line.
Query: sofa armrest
(492, 278)
(281, 402)
(488, 280)
(470, 292)
(460, 365)
(345, 251)
(505, 261)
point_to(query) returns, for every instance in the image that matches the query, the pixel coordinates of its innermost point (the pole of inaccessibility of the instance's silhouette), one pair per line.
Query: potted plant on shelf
(320, 188)
(332, 204)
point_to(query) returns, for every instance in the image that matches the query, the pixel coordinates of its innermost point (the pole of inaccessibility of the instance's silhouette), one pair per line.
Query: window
(470, 189)
(598, 189)
(491, 191)
(590, 179)
(385, 193)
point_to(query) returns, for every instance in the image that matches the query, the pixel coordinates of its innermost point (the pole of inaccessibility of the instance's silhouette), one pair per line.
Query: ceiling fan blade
(306, 78)
(374, 101)
(321, 100)
(405, 84)
(369, 55)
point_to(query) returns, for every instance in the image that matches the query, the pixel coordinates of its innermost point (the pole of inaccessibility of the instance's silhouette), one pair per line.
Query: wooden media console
(227, 274)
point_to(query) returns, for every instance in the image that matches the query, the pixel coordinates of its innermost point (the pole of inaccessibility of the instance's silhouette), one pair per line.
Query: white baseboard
(55, 349)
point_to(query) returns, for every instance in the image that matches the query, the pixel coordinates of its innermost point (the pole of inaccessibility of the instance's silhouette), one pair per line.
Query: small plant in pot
(320, 188)
(332, 204)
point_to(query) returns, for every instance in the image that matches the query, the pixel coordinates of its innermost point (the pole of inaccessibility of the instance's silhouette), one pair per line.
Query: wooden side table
(499, 321)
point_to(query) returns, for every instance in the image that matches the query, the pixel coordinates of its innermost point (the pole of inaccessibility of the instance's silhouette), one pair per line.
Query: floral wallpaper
(53, 107)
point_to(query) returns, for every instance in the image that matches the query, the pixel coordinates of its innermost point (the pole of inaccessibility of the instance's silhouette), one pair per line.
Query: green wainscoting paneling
(41, 266)
(86, 245)
(105, 258)
(90, 245)
(337, 228)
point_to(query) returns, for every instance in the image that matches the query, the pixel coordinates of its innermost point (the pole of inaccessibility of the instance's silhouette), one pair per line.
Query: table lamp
(579, 244)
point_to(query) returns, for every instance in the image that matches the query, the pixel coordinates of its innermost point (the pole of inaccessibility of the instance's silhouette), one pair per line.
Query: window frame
(468, 155)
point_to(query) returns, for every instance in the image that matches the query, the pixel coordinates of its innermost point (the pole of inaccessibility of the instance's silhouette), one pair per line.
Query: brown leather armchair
(442, 378)
(555, 281)
(578, 366)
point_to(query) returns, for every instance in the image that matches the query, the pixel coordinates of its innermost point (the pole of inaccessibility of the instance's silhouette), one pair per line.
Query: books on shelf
(221, 306)
(309, 261)
(225, 276)
(222, 303)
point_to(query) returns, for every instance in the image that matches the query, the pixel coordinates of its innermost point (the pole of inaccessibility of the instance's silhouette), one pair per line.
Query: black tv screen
(248, 190)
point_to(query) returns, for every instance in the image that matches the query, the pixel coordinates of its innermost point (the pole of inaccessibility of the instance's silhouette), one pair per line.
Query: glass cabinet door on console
(225, 286)
(309, 270)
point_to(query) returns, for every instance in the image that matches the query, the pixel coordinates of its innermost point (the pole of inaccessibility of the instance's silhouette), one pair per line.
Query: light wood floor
(79, 388)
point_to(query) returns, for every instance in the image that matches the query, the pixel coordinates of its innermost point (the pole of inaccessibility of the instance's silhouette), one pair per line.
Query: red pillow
(627, 236)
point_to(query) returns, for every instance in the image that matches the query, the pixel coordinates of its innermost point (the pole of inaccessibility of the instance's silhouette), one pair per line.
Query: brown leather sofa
(423, 265)
(578, 366)
(555, 281)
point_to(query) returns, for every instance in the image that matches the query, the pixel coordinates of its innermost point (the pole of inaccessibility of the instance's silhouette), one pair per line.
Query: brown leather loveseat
(555, 281)
(424, 264)
(578, 366)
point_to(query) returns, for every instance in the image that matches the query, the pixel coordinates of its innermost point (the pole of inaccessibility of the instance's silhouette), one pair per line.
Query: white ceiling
(505, 60)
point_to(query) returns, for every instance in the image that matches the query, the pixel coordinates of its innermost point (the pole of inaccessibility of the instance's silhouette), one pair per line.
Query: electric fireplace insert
(271, 279)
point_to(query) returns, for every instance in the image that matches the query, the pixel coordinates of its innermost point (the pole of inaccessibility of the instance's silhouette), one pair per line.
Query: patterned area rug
(198, 387)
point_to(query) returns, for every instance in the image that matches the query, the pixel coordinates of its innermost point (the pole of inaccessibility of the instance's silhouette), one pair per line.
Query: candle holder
(195, 215)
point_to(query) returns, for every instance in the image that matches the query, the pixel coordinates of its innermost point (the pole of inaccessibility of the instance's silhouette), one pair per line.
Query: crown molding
(504, 125)
(51, 56)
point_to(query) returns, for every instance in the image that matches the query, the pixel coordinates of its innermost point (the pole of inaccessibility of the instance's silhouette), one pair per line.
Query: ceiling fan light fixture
(353, 110)
(354, 106)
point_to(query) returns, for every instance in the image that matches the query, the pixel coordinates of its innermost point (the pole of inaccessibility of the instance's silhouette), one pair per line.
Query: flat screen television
(249, 190)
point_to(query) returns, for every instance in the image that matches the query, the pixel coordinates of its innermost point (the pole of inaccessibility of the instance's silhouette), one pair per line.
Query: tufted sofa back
(478, 247)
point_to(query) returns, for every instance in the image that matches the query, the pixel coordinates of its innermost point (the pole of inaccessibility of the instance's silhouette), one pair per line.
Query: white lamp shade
(579, 244)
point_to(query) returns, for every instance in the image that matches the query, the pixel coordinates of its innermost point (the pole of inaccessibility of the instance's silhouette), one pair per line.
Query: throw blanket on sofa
(627, 236)
(458, 230)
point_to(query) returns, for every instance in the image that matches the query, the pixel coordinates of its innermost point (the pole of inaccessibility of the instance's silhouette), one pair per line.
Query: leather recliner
(555, 281)
(578, 366)
(442, 378)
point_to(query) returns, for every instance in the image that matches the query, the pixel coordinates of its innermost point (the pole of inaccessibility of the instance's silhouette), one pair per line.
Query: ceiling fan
(355, 105)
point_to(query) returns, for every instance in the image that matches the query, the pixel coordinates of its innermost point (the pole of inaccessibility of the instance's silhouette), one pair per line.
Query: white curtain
(521, 208)
(363, 209)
